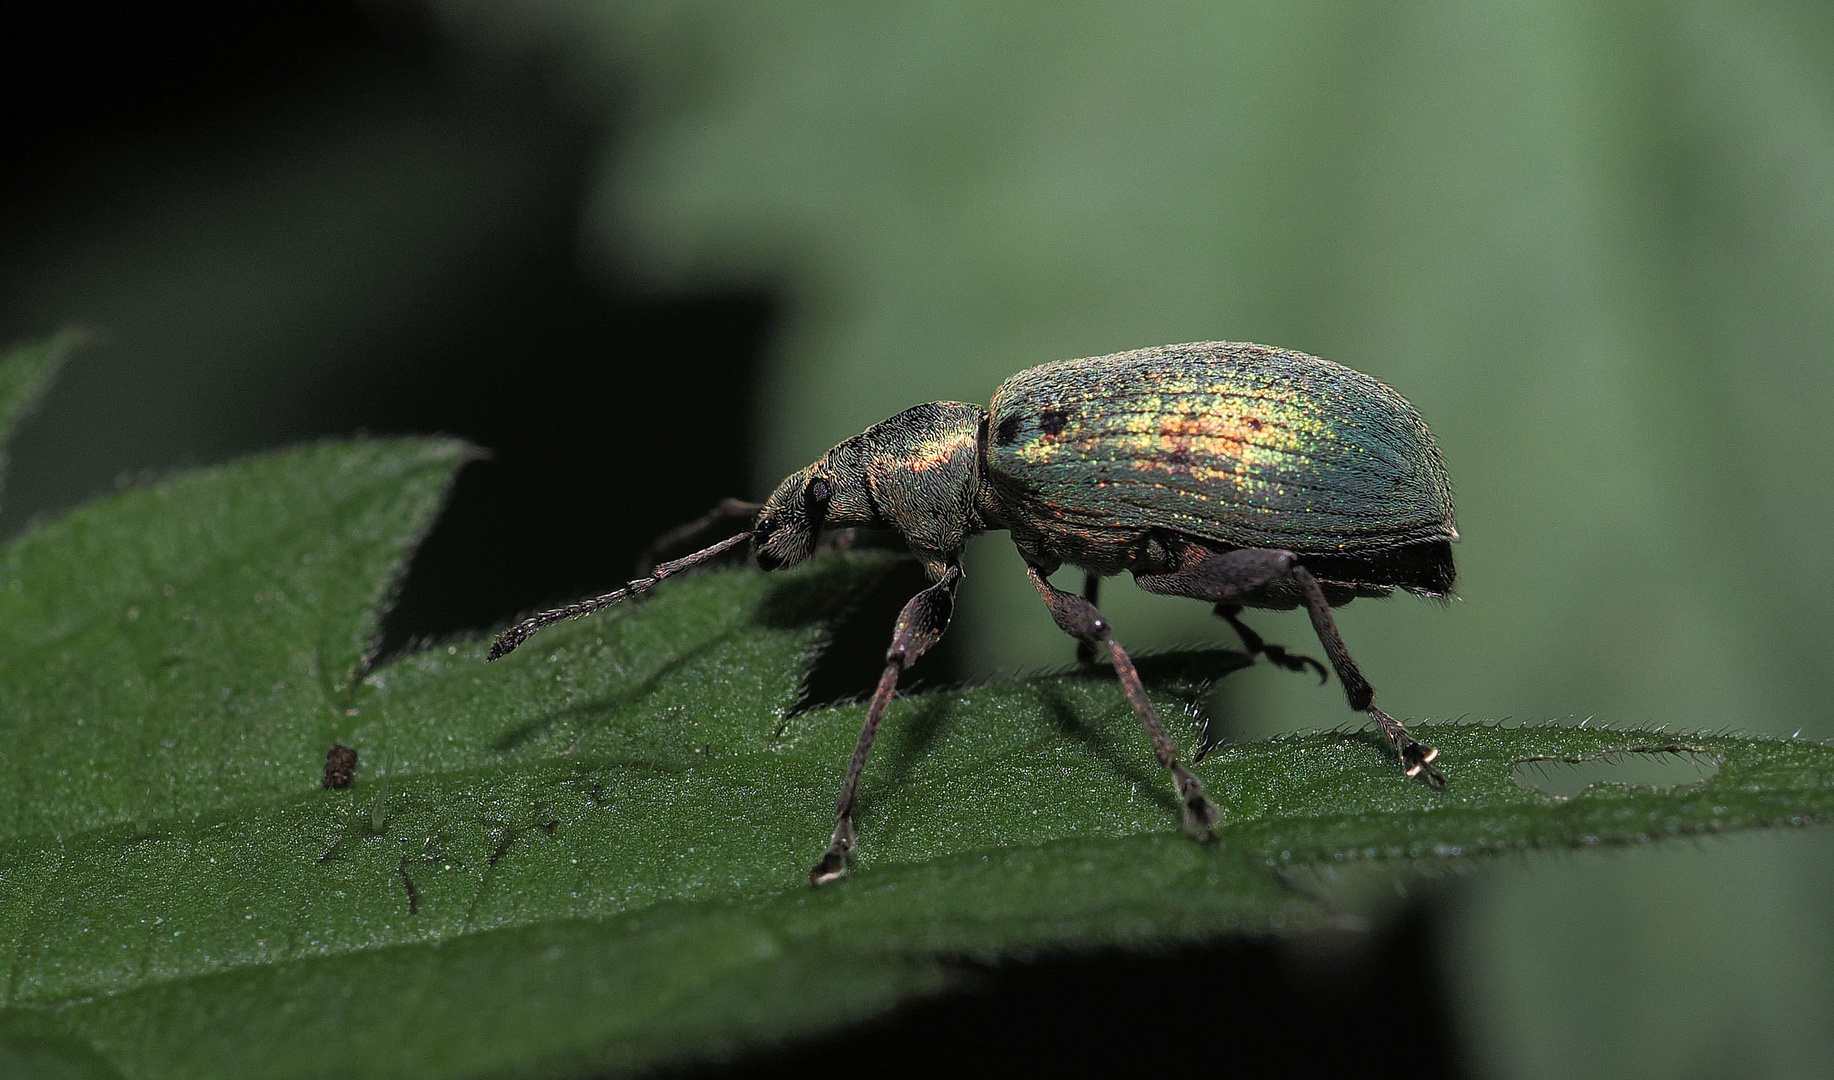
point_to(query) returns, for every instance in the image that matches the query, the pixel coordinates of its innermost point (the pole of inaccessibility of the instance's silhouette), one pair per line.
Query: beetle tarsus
(1416, 757)
(1294, 661)
(1418, 761)
(836, 861)
(1199, 812)
(1254, 644)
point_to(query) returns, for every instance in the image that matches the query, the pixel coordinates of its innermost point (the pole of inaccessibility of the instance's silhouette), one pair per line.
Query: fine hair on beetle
(1240, 475)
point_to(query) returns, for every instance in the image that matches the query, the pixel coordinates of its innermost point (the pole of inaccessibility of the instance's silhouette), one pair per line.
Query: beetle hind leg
(1226, 578)
(1254, 644)
(1416, 758)
(1081, 619)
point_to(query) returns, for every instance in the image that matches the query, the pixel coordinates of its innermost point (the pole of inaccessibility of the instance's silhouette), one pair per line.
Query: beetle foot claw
(837, 860)
(1417, 759)
(1293, 661)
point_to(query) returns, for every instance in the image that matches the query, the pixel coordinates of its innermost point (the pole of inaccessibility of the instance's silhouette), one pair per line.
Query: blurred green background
(1593, 243)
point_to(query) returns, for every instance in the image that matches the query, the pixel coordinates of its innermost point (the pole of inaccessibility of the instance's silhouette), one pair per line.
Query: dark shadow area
(1353, 1008)
(610, 420)
(611, 414)
(823, 590)
(525, 731)
(75, 76)
(851, 660)
(921, 721)
(1141, 773)
(1187, 671)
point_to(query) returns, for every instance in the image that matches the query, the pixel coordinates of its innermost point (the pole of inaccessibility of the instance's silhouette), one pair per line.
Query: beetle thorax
(918, 473)
(923, 467)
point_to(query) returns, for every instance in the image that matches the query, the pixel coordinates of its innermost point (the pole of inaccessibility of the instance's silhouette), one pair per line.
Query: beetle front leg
(1084, 622)
(920, 625)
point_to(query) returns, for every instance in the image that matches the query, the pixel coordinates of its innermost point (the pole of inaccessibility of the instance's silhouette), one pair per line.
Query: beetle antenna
(508, 640)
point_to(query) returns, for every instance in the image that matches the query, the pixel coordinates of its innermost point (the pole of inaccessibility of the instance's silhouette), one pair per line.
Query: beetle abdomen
(1244, 444)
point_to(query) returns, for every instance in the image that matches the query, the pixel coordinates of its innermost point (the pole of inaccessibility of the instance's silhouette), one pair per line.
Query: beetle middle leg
(1254, 644)
(1081, 619)
(920, 625)
(1228, 577)
(1092, 592)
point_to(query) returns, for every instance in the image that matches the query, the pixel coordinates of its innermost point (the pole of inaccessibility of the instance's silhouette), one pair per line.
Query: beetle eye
(816, 498)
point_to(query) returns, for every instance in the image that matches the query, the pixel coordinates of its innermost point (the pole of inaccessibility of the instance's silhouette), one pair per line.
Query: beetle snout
(781, 540)
(761, 537)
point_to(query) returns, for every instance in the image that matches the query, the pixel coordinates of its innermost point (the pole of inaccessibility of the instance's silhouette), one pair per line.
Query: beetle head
(916, 472)
(828, 494)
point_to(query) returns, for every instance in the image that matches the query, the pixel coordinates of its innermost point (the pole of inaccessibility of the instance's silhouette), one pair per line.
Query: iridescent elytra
(1236, 474)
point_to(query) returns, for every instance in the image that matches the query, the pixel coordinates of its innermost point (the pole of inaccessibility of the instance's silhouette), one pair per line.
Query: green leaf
(25, 371)
(175, 650)
(592, 855)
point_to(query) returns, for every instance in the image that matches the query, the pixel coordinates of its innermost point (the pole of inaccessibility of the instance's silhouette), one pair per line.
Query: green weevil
(1236, 474)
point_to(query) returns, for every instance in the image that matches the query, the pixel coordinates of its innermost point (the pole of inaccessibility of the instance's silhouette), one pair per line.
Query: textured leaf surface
(591, 855)
(163, 652)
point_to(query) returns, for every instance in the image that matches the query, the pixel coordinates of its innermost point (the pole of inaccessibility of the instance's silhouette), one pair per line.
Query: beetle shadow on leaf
(856, 599)
(1136, 769)
(521, 734)
(821, 591)
(32, 1045)
(1189, 674)
(1187, 671)
(920, 722)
